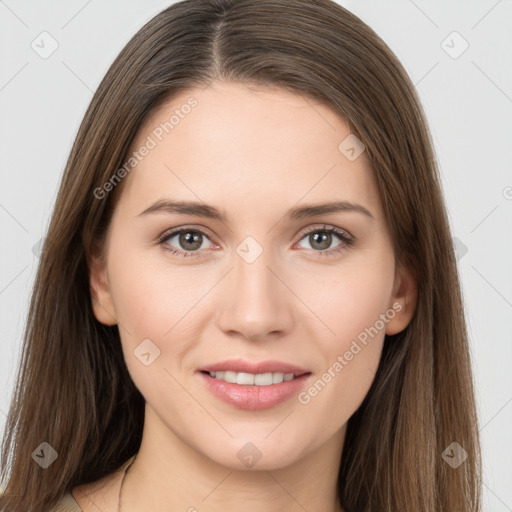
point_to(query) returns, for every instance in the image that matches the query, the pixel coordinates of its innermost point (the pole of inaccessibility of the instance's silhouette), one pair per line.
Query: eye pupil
(190, 237)
(325, 239)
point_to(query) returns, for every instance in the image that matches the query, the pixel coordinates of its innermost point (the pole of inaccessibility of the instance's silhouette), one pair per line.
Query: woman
(248, 292)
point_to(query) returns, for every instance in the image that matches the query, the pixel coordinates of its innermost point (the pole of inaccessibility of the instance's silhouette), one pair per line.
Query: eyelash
(346, 240)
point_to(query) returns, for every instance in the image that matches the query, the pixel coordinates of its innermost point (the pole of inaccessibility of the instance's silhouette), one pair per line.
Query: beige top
(66, 504)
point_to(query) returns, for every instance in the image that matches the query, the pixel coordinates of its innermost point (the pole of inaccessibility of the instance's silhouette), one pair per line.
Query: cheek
(352, 307)
(155, 308)
(350, 298)
(164, 303)
(149, 297)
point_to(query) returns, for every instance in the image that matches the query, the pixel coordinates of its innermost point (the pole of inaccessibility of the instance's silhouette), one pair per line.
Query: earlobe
(101, 297)
(403, 301)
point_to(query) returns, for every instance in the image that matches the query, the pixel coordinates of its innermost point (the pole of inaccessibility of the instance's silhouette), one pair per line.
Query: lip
(240, 365)
(254, 398)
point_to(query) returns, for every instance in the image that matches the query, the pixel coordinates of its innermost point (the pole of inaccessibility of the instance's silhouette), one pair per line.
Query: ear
(101, 297)
(403, 301)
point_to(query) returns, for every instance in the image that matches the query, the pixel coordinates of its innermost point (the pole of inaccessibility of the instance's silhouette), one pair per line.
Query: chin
(256, 453)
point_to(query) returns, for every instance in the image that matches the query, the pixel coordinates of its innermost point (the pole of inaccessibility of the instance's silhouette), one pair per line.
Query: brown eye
(190, 240)
(321, 240)
(184, 241)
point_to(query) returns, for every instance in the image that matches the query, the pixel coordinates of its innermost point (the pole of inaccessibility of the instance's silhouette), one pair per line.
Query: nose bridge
(253, 279)
(256, 304)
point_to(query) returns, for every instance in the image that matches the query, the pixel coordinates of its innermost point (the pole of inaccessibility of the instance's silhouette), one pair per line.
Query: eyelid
(327, 227)
(174, 231)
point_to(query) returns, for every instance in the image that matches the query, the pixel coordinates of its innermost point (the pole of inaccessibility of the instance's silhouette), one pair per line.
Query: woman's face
(261, 280)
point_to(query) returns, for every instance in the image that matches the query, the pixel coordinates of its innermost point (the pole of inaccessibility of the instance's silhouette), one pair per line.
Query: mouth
(252, 379)
(253, 386)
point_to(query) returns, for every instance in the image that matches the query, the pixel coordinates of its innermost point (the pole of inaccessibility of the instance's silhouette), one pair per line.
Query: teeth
(251, 379)
(278, 377)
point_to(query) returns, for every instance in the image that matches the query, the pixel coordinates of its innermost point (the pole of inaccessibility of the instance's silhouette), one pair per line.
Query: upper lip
(240, 365)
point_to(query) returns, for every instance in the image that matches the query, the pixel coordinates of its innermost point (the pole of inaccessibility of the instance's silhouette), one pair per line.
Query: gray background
(467, 97)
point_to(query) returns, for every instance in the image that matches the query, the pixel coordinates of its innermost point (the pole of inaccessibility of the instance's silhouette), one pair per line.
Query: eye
(190, 240)
(187, 242)
(321, 239)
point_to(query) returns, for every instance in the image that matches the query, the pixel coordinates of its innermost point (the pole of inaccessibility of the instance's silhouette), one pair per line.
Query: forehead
(246, 146)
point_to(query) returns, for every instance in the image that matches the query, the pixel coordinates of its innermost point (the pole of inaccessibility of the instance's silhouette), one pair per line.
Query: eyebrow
(297, 213)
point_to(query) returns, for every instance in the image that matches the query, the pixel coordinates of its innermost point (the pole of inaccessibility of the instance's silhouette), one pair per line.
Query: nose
(255, 303)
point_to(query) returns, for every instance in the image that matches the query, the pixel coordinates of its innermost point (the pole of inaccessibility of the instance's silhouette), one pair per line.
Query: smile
(251, 379)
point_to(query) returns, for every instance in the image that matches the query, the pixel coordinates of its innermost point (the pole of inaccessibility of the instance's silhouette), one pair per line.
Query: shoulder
(66, 504)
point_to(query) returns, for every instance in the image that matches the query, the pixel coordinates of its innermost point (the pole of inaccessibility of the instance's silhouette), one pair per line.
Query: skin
(254, 153)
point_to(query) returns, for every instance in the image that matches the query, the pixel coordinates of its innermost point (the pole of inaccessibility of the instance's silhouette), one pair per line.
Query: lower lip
(254, 398)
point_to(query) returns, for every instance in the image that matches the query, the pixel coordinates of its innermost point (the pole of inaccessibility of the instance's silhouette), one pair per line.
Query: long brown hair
(73, 389)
